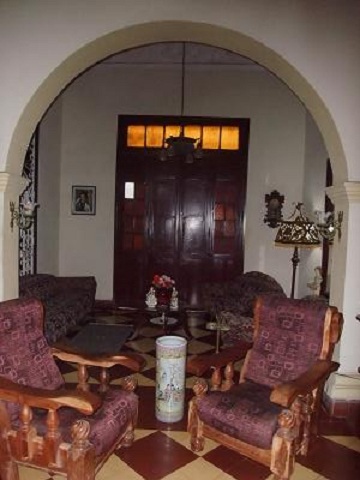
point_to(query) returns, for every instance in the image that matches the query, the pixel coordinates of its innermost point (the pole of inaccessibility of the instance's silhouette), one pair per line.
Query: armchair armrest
(199, 364)
(286, 393)
(84, 402)
(132, 361)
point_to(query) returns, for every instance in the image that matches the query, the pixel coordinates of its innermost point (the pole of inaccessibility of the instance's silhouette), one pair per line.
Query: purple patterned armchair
(43, 423)
(269, 415)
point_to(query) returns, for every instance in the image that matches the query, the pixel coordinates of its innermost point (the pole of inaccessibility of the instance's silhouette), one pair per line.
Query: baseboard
(104, 305)
(342, 408)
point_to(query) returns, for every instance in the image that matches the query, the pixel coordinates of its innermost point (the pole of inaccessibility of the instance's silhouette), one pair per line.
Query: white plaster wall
(313, 198)
(88, 152)
(313, 44)
(320, 38)
(48, 219)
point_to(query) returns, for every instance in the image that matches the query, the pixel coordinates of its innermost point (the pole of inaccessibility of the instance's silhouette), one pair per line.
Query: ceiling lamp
(187, 147)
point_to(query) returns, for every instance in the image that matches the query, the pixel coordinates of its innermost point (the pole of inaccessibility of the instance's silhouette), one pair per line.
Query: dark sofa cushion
(40, 286)
(234, 300)
(238, 296)
(67, 301)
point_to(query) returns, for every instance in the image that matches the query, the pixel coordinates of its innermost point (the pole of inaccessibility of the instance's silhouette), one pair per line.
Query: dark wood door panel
(194, 212)
(163, 212)
(186, 220)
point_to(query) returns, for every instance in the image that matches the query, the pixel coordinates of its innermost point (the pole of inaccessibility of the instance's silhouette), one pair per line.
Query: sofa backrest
(238, 296)
(40, 285)
(288, 340)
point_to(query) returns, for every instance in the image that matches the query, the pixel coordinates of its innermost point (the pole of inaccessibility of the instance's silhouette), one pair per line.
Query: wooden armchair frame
(76, 460)
(300, 400)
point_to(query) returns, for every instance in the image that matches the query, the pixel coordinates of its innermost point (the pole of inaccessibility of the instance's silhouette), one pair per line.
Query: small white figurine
(174, 302)
(316, 283)
(151, 298)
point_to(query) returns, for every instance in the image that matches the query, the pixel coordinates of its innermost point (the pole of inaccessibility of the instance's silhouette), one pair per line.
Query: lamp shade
(297, 231)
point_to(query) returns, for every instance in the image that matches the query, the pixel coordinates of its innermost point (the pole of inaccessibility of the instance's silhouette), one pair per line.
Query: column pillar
(11, 186)
(343, 388)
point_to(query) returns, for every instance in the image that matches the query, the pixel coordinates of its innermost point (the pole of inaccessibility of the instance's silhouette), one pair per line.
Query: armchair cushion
(244, 412)
(118, 409)
(288, 342)
(25, 356)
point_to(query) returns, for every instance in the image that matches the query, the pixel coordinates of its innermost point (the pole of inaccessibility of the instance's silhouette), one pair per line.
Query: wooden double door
(183, 220)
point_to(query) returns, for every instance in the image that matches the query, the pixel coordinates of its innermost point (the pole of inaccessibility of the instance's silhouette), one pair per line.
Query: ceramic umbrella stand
(170, 378)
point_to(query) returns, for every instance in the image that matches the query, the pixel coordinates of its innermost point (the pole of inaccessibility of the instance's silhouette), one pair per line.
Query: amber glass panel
(219, 212)
(154, 135)
(229, 229)
(224, 245)
(211, 137)
(230, 212)
(138, 243)
(219, 228)
(230, 139)
(135, 136)
(225, 217)
(193, 131)
(172, 130)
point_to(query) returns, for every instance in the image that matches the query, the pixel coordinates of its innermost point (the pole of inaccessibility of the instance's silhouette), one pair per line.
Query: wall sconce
(23, 216)
(327, 224)
(274, 203)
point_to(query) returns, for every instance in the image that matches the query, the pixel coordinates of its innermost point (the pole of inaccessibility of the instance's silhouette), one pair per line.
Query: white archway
(135, 36)
(83, 56)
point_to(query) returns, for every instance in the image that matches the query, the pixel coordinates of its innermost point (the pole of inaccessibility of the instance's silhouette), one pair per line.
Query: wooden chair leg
(81, 460)
(9, 470)
(195, 429)
(283, 446)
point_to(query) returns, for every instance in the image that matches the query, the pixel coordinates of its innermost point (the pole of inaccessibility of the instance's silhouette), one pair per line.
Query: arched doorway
(104, 46)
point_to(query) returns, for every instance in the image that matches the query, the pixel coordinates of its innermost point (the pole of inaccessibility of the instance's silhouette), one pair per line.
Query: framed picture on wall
(83, 200)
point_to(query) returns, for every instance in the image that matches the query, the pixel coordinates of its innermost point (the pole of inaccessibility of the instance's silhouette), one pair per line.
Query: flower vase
(163, 295)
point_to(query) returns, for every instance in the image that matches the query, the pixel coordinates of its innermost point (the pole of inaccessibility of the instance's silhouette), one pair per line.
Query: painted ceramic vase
(170, 378)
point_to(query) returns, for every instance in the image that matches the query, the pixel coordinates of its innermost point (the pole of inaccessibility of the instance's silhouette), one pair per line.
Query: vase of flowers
(164, 286)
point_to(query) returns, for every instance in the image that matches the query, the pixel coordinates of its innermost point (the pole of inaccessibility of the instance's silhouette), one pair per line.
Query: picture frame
(83, 200)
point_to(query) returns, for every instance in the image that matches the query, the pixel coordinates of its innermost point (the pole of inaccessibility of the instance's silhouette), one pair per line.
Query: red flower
(163, 281)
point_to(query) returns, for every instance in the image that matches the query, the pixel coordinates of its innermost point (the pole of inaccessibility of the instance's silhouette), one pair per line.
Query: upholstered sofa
(234, 302)
(67, 301)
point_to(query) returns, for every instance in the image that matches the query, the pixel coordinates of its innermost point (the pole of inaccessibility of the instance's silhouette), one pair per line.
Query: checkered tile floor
(161, 450)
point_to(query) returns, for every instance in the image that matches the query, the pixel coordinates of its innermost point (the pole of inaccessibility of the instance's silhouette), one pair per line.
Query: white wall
(312, 44)
(88, 152)
(313, 198)
(49, 191)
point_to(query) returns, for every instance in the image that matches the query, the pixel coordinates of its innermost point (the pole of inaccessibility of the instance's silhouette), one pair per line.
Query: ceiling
(171, 53)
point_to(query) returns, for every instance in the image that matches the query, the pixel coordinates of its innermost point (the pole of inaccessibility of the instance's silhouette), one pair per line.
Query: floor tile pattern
(161, 450)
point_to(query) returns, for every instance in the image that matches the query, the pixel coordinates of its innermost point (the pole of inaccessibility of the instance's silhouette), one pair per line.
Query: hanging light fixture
(187, 147)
